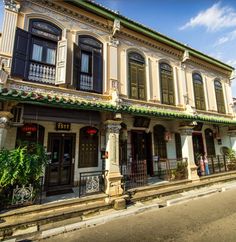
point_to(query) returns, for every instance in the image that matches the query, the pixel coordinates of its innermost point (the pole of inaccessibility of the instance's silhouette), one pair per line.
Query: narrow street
(211, 218)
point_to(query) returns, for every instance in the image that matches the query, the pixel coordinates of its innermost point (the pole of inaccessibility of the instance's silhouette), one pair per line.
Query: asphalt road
(211, 218)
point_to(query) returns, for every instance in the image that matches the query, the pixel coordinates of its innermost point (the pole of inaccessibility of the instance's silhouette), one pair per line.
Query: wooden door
(61, 168)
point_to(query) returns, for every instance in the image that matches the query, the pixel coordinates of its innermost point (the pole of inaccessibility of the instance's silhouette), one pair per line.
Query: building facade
(99, 90)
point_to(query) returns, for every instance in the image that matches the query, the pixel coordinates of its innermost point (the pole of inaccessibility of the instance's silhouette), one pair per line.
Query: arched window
(137, 79)
(210, 146)
(88, 64)
(219, 97)
(159, 141)
(198, 92)
(167, 84)
(35, 52)
(45, 36)
(88, 147)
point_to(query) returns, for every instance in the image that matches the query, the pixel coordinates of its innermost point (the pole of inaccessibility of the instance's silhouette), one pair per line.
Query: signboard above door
(63, 126)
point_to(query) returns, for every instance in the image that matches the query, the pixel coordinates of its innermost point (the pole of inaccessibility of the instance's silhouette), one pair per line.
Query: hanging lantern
(91, 131)
(29, 128)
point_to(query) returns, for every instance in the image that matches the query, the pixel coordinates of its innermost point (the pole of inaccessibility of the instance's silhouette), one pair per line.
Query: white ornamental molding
(113, 128)
(12, 5)
(68, 18)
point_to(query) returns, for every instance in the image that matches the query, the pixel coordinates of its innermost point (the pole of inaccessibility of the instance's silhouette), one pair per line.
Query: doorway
(142, 148)
(198, 147)
(59, 173)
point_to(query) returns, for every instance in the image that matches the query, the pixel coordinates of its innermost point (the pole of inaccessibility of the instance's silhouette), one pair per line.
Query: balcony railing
(86, 82)
(42, 73)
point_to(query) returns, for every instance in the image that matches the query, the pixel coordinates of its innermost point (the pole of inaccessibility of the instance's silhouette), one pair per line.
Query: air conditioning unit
(17, 120)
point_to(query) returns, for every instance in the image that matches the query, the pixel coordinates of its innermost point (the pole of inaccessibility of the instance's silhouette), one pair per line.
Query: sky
(205, 25)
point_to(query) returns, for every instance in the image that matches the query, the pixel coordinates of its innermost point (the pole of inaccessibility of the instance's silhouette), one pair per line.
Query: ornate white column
(9, 30)
(180, 88)
(5, 116)
(113, 178)
(157, 94)
(187, 151)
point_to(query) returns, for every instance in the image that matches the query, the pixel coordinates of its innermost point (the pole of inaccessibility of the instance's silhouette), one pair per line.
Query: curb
(135, 209)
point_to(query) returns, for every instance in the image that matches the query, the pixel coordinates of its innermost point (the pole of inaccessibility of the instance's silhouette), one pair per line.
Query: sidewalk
(139, 207)
(42, 221)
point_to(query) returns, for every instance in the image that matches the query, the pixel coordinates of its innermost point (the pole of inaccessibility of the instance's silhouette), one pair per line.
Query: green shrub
(21, 166)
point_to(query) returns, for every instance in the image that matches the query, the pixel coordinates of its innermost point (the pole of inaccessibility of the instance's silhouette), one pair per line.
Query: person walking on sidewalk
(205, 160)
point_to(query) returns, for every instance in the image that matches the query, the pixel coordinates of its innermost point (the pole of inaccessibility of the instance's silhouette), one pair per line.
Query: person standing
(205, 160)
(202, 167)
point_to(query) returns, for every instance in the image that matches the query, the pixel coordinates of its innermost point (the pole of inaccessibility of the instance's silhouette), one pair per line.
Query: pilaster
(113, 178)
(5, 116)
(187, 151)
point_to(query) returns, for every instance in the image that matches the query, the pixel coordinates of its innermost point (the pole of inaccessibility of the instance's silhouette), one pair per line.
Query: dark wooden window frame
(219, 96)
(94, 48)
(92, 160)
(198, 89)
(178, 146)
(137, 60)
(160, 148)
(43, 40)
(166, 69)
(210, 144)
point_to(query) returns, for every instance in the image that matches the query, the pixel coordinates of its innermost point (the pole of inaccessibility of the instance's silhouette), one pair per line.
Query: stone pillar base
(193, 174)
(113, 184)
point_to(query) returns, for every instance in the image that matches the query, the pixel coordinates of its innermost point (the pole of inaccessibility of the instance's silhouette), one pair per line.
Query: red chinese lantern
(29, 128)
(91, 131)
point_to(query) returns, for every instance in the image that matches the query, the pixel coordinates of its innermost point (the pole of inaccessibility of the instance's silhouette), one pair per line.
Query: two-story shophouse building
(98, 89)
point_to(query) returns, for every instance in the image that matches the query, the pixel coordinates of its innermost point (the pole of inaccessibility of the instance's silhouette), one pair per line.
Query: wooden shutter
(61, 62)
(76, 65)
(141, 83)
(133, 80)
(20, 61)
(97, 71)
(178, 146)
(219, 98)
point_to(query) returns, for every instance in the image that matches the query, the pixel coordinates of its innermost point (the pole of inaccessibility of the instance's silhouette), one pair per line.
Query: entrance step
(169, 188)
(37, 218)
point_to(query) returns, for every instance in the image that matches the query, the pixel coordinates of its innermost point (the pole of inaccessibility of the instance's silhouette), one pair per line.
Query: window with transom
(219, 96)
(137, 79)
(167, 84)
(198, 92)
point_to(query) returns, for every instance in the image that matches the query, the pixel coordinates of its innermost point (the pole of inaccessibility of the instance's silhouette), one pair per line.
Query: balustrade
(42, 73)
(86, 82)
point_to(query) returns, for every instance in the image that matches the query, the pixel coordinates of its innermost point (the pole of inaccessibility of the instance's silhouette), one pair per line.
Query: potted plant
(231, 158)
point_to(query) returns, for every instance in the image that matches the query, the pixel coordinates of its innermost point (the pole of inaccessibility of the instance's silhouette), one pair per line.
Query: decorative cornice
(12, 5)
(57, 6)
(55, 99)
(144, 30)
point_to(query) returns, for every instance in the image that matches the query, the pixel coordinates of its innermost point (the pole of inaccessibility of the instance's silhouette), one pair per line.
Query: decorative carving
(22, 195)
(113, 128)
(56, 92)
(186, 131)
(116, 26)
(113, 41)
(69, 18)
(92, 184)
(12, 5)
